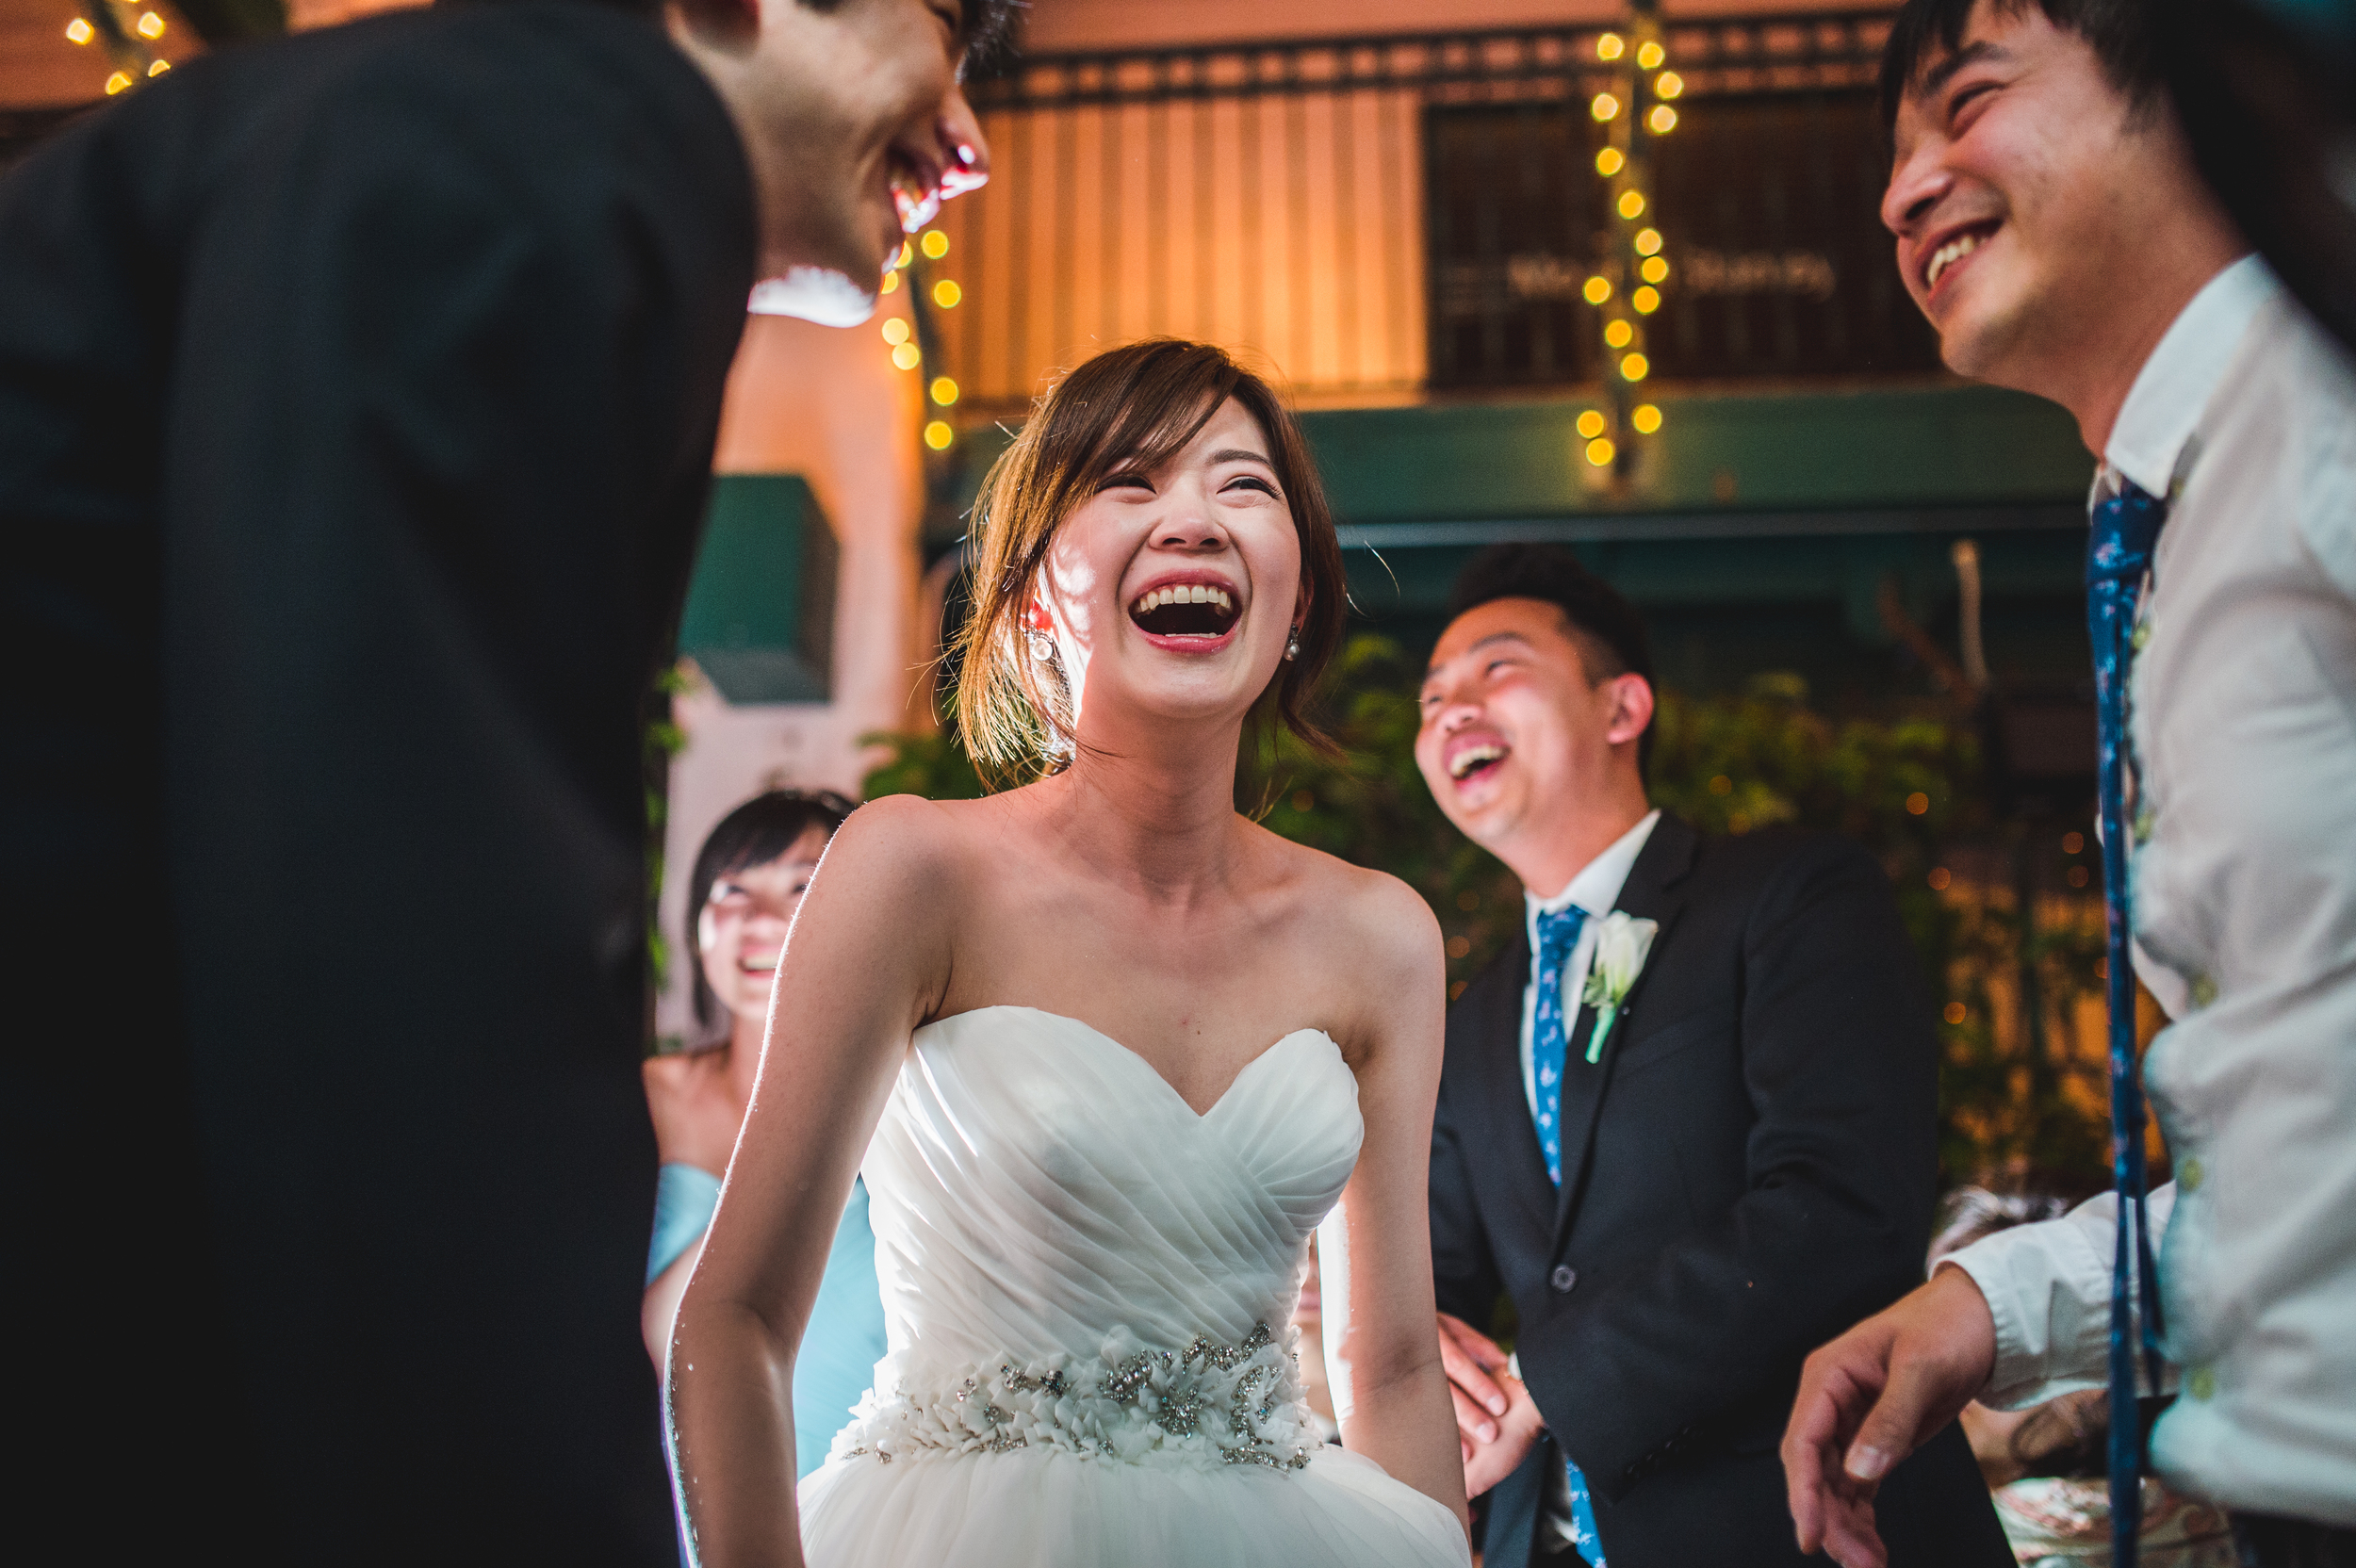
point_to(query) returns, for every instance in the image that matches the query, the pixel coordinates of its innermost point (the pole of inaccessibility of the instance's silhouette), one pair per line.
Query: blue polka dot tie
(1550, 1031)
(1549, 1049)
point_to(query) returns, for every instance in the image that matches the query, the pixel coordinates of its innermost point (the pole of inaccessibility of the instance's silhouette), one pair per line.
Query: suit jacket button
(1562, 1279)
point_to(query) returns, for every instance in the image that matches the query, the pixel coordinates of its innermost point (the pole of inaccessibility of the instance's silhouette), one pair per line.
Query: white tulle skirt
(1041, 1508)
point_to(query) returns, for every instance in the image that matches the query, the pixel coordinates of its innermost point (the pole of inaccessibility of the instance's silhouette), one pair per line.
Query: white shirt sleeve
(2049, 1289)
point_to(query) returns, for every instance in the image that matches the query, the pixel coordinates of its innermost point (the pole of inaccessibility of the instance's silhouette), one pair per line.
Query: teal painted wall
(759, 615)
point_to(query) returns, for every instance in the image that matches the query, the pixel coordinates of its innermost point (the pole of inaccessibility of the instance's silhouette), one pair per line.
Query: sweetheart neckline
(1138, 1058)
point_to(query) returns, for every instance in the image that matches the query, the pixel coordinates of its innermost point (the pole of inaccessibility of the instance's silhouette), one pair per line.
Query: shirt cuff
(2048, 1288)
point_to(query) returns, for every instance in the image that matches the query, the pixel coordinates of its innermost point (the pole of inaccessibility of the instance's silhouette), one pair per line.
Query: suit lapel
(1649, 893)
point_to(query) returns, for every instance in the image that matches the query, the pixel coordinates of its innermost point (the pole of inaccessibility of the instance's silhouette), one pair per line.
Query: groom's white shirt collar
(1596, 889)
(2148, 440)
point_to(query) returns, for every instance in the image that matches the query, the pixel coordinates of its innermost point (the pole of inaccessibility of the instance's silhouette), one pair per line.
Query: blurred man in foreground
(357, 398)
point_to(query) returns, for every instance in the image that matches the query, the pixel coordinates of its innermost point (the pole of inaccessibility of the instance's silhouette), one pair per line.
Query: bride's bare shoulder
(933, 839)
(1374, 914)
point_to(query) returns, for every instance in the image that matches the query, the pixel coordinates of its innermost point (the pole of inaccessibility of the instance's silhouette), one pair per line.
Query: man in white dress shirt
(2049, 223)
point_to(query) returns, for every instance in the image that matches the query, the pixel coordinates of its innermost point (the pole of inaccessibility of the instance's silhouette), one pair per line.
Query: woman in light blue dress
(748, 881)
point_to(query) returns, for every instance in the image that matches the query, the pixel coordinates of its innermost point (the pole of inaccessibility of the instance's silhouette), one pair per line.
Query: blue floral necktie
(2119, 560)
(1549, 1048)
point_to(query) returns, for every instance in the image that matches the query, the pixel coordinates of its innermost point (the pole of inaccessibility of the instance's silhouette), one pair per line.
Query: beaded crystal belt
(1207, 1404)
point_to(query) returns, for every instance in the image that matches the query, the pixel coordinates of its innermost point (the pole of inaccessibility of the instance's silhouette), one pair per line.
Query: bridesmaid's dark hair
(756, 833)
(1132, 406)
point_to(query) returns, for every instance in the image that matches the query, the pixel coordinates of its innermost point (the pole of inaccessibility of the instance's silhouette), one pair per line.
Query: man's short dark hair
(2119, 31)
(1608, 630)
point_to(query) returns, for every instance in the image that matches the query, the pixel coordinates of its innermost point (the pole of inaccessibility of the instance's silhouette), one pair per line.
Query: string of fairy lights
(928, 285)
(1634, 112)
(127, 32)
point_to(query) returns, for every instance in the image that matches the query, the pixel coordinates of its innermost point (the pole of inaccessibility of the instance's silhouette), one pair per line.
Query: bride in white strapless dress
(1107, 1054)
(1088, 1287)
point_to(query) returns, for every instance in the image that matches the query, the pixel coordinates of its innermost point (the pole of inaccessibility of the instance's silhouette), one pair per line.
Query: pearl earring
(1043, 646)
(1292, 644)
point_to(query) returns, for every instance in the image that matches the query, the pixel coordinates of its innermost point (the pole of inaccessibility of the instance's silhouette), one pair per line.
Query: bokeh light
(1635, 367)
(936, 244)
(1611, 46)
(1646, 299)
(1600, 452)
(1631, 204)
(1645, 417)
(1651, 55)
(1597, 290)
(1591, 424)
(905, 356)
(944, 391)
(1663, 119)
(946, 293)
(1617, 334)
(1647, 243)
(896, 329)
(1655, 269)
(938, 436)
(1610, 162)
(1605, 107)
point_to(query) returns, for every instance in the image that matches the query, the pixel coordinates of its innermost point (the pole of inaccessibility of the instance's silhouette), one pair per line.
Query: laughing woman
(1119, 1051)
(747, 882)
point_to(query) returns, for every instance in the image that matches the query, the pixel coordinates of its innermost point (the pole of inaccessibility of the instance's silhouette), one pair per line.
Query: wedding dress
(1088, 1287)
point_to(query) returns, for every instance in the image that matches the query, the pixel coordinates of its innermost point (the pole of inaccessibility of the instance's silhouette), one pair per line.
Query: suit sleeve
(1700, 1342)
(1466, 1282)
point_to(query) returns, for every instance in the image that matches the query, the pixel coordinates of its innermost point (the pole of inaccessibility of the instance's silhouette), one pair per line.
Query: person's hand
(1476, 1371)
(1518, 1429)
(1871, 1398)
(1497, 1421)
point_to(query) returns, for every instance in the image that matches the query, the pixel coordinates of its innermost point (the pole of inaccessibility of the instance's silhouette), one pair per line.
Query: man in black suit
(357, 398)
(1683, 1193)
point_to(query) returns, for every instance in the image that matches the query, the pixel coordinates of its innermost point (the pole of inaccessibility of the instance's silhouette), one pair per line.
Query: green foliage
(1910, 789)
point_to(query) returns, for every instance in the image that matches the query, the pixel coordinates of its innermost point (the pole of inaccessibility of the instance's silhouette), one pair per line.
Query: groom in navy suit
(1689, 1172)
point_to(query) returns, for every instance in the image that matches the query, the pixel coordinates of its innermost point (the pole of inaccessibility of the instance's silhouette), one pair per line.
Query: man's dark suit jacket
(1747, 1172)
(357, 398)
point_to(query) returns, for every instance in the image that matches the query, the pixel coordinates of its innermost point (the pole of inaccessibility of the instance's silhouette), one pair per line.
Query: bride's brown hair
(1133, 407)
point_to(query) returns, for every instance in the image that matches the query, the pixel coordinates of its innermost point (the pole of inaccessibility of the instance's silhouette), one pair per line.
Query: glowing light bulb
(944, 391)
(80, 31)
(946, 293)
(1610, 162)
(116, 82)
(1591, 424)
(936, 244)
(159, 68)
(1635, 366)
(1631, 203)
(1597, 290)
(1611, 46)
(1655, 269)
(1600, 452)
(938, 436)
(1605, 107)
(905, 356)
(1646, 418)
(1667, 85)
(1663, 119)
(1651, 55)
(1617, 334)
(149, 25)
(1648, 242)
(896, 329)
(1646, 299)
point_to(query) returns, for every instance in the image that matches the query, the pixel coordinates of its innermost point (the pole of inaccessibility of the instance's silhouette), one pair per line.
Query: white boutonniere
(1622, 945)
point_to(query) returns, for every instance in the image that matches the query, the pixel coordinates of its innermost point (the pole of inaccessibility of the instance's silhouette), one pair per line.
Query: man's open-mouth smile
(1957, 247)
(1476, 759)
(1194, 612)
